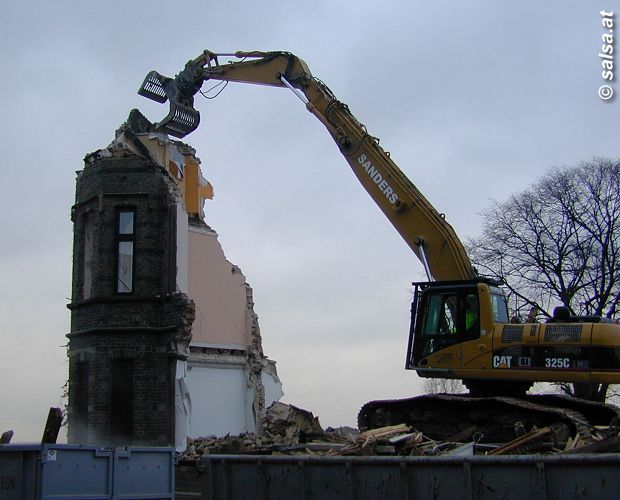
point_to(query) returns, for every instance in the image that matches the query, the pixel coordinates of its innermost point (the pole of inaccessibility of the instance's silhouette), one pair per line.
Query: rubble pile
(292, 431)
(290, 423)
(283, 426)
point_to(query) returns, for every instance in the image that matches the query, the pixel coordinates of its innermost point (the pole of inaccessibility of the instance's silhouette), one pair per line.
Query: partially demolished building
(164, 341)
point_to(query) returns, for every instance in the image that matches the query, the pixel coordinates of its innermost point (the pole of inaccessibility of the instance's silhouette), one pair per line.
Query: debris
(530, 441)
(52, 426)
(384, 432)
(573, 443)
(291, 423)
(406, 437)
(465, 450)
(292, 431)
(6, 437)
(607, 445)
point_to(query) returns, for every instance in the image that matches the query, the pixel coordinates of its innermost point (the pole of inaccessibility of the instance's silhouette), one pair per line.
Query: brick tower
(130, 320)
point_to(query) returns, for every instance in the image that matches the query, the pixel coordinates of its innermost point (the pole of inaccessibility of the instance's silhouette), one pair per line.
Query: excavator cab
(446, 314)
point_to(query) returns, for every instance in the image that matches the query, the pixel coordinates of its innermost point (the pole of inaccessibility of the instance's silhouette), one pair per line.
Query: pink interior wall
(218, 290)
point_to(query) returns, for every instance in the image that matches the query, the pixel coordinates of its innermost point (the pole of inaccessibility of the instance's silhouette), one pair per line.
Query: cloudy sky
(474, 100)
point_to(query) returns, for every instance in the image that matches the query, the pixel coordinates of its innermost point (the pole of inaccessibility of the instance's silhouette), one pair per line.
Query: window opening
(450, 317)
(499, 307)
(121, 402)
(125, 251)
(472, 316)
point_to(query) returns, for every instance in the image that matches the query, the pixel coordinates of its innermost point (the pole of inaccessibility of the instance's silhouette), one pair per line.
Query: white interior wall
(220, 400)
(218, 385)
(273, 388)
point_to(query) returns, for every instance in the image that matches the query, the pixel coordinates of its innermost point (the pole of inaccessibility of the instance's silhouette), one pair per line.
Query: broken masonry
(164, 341)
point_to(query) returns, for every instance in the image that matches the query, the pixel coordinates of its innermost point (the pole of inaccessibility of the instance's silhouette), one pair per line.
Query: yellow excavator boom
(422, 227)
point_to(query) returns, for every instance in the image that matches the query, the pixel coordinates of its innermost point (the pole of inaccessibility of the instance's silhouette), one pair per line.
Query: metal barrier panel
(529, 477)
(79, 471)
(19, 472)
(54, 471)
(144, 473)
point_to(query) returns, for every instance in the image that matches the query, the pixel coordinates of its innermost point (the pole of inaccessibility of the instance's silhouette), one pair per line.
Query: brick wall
(124, 346)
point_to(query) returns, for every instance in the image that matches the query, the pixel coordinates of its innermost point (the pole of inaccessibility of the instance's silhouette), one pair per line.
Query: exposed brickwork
(149, 328)
(152, 381)
(107, 184)
(256, 361)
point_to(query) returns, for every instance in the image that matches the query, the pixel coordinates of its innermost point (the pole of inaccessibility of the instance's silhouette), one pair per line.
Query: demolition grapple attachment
(182, 117)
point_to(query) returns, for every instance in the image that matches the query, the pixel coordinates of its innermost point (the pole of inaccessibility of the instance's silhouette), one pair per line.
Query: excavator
(460, 327)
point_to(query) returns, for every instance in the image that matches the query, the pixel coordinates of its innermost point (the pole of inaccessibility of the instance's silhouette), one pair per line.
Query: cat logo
(502, 361)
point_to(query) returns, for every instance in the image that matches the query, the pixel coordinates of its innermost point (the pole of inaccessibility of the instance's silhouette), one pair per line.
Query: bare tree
(558, 243)
(443, 386)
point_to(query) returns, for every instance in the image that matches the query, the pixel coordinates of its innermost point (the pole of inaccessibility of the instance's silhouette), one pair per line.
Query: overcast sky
(474, 100)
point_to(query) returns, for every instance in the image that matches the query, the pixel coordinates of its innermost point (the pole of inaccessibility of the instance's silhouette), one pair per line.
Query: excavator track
(597, 414)
(495, 419)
